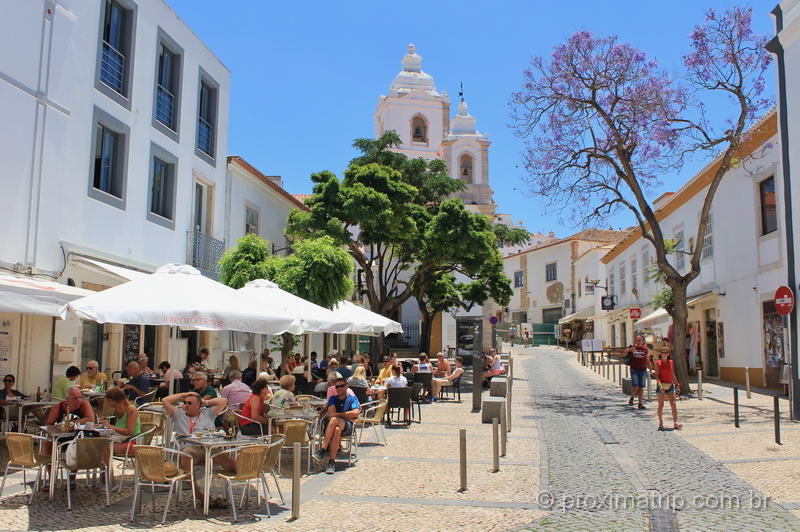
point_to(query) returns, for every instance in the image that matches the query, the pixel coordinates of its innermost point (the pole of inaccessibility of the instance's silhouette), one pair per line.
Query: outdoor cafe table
(21, 405)
(53, 433)
(209, 443)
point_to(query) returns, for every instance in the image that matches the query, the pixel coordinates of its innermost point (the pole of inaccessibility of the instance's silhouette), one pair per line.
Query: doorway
(774, 354)
(712, 367)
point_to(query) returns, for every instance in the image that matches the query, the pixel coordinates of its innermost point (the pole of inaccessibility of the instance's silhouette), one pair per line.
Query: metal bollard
(614, 373)
(700, 384)
(776, 406)
(462, 445)
(747, 381)
(295, 482)
(495, 446)
(508, 411)
(503, 431)
(736, 406)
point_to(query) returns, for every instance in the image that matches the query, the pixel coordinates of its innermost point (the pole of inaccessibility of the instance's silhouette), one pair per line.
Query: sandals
(660, 426)
(677, 426)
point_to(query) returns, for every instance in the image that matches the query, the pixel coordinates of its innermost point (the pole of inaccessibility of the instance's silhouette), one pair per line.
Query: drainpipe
(776, 48)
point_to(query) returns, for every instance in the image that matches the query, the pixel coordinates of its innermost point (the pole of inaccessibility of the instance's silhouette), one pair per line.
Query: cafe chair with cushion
(454, 387)
(145, 437)
(275, 444)
(153, 469)
(296, 430)
(22, 456)
(89, 456)
(372, 415)
(399, 399)
(248, 466)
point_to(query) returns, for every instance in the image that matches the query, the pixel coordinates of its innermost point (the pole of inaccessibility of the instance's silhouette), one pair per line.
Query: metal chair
(22, 456)
(454, 387)
(153, 469)
(426, 380)
(90, 455)
(418, 397)
(145, 437)
(296, 430)
(350, 439)
(142, 400)
(372, 415)
(399, 399)
(361, 393)
(248, 466)
(260, 425)
(275, 444)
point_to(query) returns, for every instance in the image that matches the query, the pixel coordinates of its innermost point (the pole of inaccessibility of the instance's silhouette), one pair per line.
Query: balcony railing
(205, 136)
(165, 107)
(204, 252)
(112, 67)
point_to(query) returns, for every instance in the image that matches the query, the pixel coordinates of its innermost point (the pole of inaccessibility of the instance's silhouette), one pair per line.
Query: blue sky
(306, 75)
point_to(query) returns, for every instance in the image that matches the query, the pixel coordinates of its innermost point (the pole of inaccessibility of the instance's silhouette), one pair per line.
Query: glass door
(712, 368)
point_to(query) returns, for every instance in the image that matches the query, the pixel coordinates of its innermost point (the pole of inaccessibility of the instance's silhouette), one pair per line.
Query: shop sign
(607, 302)
(636, 313)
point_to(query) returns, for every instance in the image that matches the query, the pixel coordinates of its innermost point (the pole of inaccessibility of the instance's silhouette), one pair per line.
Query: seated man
(386, 370)
(191, 417)
(74, 405)
(342, 409)
(138, 383)
(200, 385)
(442, 365)
(447, 380)
(70, 379)
(92, 377)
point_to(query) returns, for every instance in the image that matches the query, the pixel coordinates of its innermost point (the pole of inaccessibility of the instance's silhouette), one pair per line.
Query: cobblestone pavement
(605, 467)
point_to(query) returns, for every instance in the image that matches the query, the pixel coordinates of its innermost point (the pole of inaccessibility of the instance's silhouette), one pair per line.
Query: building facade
(115, 136)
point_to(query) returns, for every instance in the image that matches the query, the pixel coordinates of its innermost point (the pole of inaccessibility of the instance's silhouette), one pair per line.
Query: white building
(544, 280)
(588, 271)
(114, 141)
(731, 308)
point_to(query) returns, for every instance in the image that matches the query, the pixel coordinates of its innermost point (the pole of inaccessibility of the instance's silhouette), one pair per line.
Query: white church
(420, 115)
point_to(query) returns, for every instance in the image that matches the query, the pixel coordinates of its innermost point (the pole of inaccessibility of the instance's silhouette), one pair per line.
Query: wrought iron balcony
(165, 107)
(205, 136)
(204, 252)
(112, 67)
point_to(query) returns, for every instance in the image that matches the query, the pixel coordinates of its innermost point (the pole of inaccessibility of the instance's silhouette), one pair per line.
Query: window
(680, 257)
(634, 278)
(419, 129)
(115, 50)
(207, 118)
(167, 92)
(622, 278)
(250, 221)
(518, 279)
(465, 168)
(108, 169)
(769, 207)
(611, 287)
(162, 187)
(550, 272)
(708, 241)
(645, 267)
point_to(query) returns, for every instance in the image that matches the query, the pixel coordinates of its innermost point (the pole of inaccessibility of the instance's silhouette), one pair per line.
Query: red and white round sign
(784, 300)
(636, 313)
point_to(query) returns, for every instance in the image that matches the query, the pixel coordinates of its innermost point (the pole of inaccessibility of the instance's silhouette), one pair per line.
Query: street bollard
(477, 385)
(462, 445)
(776, 406)
(614, 373)
(700, 384)
(295, 482)
(508, 411)
(503, 431)
(736, 406)
(495, 446)
(747, 381)
(605, 367)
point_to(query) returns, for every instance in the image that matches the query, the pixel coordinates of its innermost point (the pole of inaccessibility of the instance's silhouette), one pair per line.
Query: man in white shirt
(448, 379)
(397, 380)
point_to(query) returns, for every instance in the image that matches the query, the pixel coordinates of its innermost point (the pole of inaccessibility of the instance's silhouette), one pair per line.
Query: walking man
(640, 362)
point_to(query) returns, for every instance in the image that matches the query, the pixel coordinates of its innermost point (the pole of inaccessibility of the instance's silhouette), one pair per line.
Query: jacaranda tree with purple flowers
(603, 122)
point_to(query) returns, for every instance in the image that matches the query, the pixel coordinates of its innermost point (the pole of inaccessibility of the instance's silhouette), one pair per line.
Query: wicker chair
(154, 418)
(305, 397)
(248, 467)
(153, 469)
(350, 439)
(22, 456)
(145, 437)
(296, 430)
(90, 455)
(275, 444)
(372, 415)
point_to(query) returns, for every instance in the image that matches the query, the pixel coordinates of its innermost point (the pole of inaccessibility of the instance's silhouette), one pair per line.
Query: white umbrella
(178, 295)
(312, 317)
(369, 322)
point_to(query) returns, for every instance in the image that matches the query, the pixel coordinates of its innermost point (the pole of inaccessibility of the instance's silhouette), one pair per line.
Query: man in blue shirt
(138, 384)
(343, 410)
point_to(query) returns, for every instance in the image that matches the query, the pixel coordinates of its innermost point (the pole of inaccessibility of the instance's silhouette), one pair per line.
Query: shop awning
(125, 274)
(580, 315)
(651, 319)
(699, 298)
(29, 295)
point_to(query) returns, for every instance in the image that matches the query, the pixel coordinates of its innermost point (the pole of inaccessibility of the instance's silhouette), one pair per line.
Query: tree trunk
(424, 327)
(287, 344)
(679, 315)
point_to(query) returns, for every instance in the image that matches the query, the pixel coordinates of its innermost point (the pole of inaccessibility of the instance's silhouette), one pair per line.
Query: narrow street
(606, 467)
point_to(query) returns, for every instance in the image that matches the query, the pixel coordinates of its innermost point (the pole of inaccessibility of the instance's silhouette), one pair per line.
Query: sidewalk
(749, 451)
(410, 484)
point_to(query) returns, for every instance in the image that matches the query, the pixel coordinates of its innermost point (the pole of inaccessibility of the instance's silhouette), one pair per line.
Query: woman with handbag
(665, 385)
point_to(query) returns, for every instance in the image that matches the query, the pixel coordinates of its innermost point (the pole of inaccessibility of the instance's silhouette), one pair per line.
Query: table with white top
(209, 443)
(21, 405)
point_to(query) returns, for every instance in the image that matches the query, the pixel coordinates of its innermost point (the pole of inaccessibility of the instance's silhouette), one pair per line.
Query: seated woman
(126, 423)
(423, 366)
(359, 378)
(284, 398)
(7, 393)
(254, 410)
(233, 364)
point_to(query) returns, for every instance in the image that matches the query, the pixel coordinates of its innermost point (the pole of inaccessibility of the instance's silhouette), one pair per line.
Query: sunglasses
(340, 386)
(8, 380)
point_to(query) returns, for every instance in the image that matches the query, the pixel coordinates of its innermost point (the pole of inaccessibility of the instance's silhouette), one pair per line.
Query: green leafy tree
(397, 219)
(318, 271)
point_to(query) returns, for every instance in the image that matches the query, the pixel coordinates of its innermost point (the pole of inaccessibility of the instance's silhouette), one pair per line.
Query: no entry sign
(784, 300)
(636, 313)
